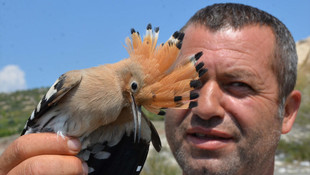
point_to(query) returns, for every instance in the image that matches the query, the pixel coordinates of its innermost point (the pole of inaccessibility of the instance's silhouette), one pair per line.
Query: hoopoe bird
(102, 105)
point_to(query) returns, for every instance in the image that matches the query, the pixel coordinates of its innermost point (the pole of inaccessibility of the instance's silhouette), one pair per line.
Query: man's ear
(291, 107)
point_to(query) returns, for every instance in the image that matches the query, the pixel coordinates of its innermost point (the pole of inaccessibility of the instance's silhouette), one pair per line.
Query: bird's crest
(168, 81)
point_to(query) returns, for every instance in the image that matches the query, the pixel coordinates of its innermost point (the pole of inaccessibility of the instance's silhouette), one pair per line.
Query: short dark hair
(284, 64)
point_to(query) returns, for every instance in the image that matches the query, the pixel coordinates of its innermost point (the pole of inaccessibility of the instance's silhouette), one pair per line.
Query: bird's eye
(134, 86)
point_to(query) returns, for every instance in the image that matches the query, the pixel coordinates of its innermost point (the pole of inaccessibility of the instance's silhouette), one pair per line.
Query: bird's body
(101, 105)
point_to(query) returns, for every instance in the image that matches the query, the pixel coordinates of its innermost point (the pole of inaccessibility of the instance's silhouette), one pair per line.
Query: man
(247, 98)
(246, 101)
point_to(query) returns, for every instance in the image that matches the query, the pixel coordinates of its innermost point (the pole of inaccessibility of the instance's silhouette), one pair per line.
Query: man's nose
(210, 101)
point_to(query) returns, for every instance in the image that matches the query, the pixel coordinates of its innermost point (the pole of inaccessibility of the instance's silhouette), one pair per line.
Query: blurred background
(40, 40)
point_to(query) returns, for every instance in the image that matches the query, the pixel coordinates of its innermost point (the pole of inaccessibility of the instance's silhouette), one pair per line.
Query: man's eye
(239, 89)
(239, 85)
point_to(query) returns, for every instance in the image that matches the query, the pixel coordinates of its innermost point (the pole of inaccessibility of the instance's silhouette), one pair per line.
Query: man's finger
(50, 165)
(36, 144)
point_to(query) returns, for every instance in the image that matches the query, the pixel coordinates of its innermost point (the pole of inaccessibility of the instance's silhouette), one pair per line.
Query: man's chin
(206, 163)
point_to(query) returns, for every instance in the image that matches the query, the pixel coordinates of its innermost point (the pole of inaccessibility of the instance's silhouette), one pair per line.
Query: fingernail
(85, 167)
(74, 145)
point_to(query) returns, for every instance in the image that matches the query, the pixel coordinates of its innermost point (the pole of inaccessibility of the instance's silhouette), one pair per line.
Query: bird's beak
(136, 111)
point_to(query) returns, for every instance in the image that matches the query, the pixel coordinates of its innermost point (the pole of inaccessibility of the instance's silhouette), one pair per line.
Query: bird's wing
(57, 91)
(124, 158)
(113, 151)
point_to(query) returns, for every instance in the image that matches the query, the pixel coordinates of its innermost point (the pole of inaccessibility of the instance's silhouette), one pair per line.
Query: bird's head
(132, 76)
(157, 76)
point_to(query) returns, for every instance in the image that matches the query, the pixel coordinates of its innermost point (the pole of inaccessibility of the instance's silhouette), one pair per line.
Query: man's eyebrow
(239, 74)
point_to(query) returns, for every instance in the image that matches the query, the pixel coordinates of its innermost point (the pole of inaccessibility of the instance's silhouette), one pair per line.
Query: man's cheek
(175, 116)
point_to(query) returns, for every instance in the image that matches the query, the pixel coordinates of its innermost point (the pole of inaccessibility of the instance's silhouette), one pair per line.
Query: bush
(159, 164)
(295, 151)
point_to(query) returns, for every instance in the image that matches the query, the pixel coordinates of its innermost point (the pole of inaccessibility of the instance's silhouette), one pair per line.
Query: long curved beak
(136, 111)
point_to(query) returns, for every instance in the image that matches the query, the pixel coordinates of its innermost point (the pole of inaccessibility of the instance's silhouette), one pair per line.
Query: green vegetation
(160, 163)
(303, 82)
(295, 150)
(152, 116)
(300, 149)
(15, 108)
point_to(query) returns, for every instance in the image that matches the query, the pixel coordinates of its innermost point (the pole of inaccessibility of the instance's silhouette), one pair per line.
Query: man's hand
(42, 153)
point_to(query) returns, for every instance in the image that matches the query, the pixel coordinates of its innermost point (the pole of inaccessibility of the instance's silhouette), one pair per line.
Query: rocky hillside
(303, 51)
(303, 80)
(16, 107)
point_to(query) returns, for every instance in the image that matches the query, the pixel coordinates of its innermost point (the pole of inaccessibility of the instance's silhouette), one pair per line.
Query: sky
(42, 39)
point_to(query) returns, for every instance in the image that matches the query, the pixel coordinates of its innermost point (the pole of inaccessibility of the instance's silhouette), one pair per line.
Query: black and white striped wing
(125, 158)
(57, 91)
(120, 155)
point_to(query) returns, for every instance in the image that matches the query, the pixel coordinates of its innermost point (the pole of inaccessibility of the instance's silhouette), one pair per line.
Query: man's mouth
(209, 139)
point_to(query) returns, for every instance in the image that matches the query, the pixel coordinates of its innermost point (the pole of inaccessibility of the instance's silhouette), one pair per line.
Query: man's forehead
(235, 49)
(249, 33)
(253, 39)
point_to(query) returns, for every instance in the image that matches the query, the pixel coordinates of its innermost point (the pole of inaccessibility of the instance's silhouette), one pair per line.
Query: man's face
(235, 128)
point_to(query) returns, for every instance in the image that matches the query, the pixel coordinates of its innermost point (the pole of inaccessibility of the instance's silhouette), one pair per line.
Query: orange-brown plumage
(165, 77)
